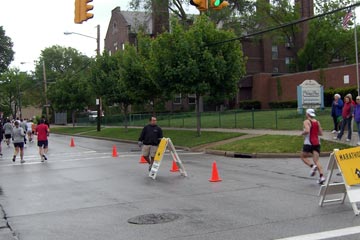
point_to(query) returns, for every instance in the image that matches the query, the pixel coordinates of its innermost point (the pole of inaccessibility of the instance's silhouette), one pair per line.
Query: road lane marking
(57, 158)
(326, 235)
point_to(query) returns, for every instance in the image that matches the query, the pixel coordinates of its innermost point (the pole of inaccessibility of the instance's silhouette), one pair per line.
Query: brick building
(266, 58)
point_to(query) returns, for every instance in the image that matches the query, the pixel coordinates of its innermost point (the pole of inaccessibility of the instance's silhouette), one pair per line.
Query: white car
(93, 115)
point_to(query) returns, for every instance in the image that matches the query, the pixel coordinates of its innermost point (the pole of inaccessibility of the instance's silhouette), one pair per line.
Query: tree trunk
(73, 117)
(126, 116)
(198, 117)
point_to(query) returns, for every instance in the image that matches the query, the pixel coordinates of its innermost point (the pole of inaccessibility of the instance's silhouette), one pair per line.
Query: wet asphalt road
(83, 192)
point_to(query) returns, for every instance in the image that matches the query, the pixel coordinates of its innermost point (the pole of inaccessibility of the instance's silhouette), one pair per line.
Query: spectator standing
(336, 110)
(149, 140)
(312, 131)
(347, 113)
(357, 117)
(18, 135)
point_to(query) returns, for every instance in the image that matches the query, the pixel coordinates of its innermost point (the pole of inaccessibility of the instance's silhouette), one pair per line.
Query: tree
(197, 62)
(66, 76)
(327, 40)
(6, 52)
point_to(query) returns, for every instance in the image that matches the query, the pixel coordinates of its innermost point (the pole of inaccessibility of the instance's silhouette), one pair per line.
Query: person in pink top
(42, 131)
(347, 112)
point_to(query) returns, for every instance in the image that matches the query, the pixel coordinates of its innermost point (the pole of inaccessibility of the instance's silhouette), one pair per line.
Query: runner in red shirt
(42, 131)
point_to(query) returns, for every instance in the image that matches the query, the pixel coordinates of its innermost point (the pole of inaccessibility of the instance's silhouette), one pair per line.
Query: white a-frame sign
(348, 163)
(166, 143)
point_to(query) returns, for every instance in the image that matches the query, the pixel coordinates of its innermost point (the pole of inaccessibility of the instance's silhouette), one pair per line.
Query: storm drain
(154, 218)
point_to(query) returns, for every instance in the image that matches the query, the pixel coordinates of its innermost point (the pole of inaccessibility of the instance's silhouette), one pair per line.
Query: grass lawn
(275, 144)
(183, 138)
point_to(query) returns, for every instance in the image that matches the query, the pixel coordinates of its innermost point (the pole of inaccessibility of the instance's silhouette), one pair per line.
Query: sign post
(310, 94)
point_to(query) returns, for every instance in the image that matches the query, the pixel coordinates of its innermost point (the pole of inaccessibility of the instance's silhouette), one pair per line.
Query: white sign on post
(310, 95)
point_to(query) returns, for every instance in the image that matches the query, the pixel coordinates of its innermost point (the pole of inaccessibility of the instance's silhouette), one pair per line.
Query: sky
(38, 24)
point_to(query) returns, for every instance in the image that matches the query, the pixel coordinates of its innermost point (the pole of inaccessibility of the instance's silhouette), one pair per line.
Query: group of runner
(20, 131)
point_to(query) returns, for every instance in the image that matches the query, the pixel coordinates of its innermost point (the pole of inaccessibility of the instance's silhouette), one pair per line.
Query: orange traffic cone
(114, 152)
(142, 160)
(72, 144)
(215, 175)
(175, 167)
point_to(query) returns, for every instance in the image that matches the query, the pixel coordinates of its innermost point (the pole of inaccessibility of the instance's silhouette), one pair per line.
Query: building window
(109, 52)
(177, 99)
(275, 52)
(123, 46)
(115, 46)
(191, 98)
(288, 60)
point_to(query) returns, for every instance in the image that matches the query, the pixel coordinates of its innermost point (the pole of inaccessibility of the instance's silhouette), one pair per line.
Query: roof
(138, 20)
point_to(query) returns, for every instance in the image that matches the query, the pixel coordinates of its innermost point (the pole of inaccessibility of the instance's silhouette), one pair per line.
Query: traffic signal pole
(99, 114)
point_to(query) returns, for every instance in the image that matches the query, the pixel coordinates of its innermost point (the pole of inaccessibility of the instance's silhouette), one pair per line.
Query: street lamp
(98, 101)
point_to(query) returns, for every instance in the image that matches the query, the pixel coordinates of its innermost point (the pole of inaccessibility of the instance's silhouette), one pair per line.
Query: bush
(250, 104)
(329, 94)
(283, 104)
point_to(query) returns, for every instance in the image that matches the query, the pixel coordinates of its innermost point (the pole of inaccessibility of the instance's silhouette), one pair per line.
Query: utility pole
(98, 100)
(45, 92)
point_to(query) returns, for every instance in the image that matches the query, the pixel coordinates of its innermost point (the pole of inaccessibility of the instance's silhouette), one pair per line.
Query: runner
(18, 135)
(23, 125)
(29, 131)
(42, 131)
(7, 131)
(312, 130)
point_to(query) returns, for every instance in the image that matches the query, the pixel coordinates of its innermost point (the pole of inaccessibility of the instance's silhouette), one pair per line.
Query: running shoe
(22, 161)
(45, 158)
(321, 180)
(313, 170)
(14, 158)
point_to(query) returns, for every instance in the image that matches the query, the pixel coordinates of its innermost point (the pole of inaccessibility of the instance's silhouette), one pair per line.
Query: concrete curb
(209, 151)
(258, 155)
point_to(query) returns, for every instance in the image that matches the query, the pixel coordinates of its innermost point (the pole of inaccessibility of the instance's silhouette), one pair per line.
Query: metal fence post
(253, 120)
(276, 119)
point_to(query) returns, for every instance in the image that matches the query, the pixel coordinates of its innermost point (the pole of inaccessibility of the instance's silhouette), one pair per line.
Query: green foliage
(179, 138)
(17, 90)
(250, 104)
(65, 68)
(6, 52)
(283, 104)
(327, 41)
(329, 94)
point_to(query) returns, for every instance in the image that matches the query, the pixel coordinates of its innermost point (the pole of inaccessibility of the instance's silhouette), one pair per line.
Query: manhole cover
(154, 218)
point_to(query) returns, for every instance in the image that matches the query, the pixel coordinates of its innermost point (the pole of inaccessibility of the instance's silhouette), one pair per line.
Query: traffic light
(81, 11)
(202, 5)
(218, 4)
(77, 18)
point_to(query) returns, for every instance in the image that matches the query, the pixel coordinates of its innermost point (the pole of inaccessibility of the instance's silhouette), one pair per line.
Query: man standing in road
(312, 131)
(42, 131)
(149, 140)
